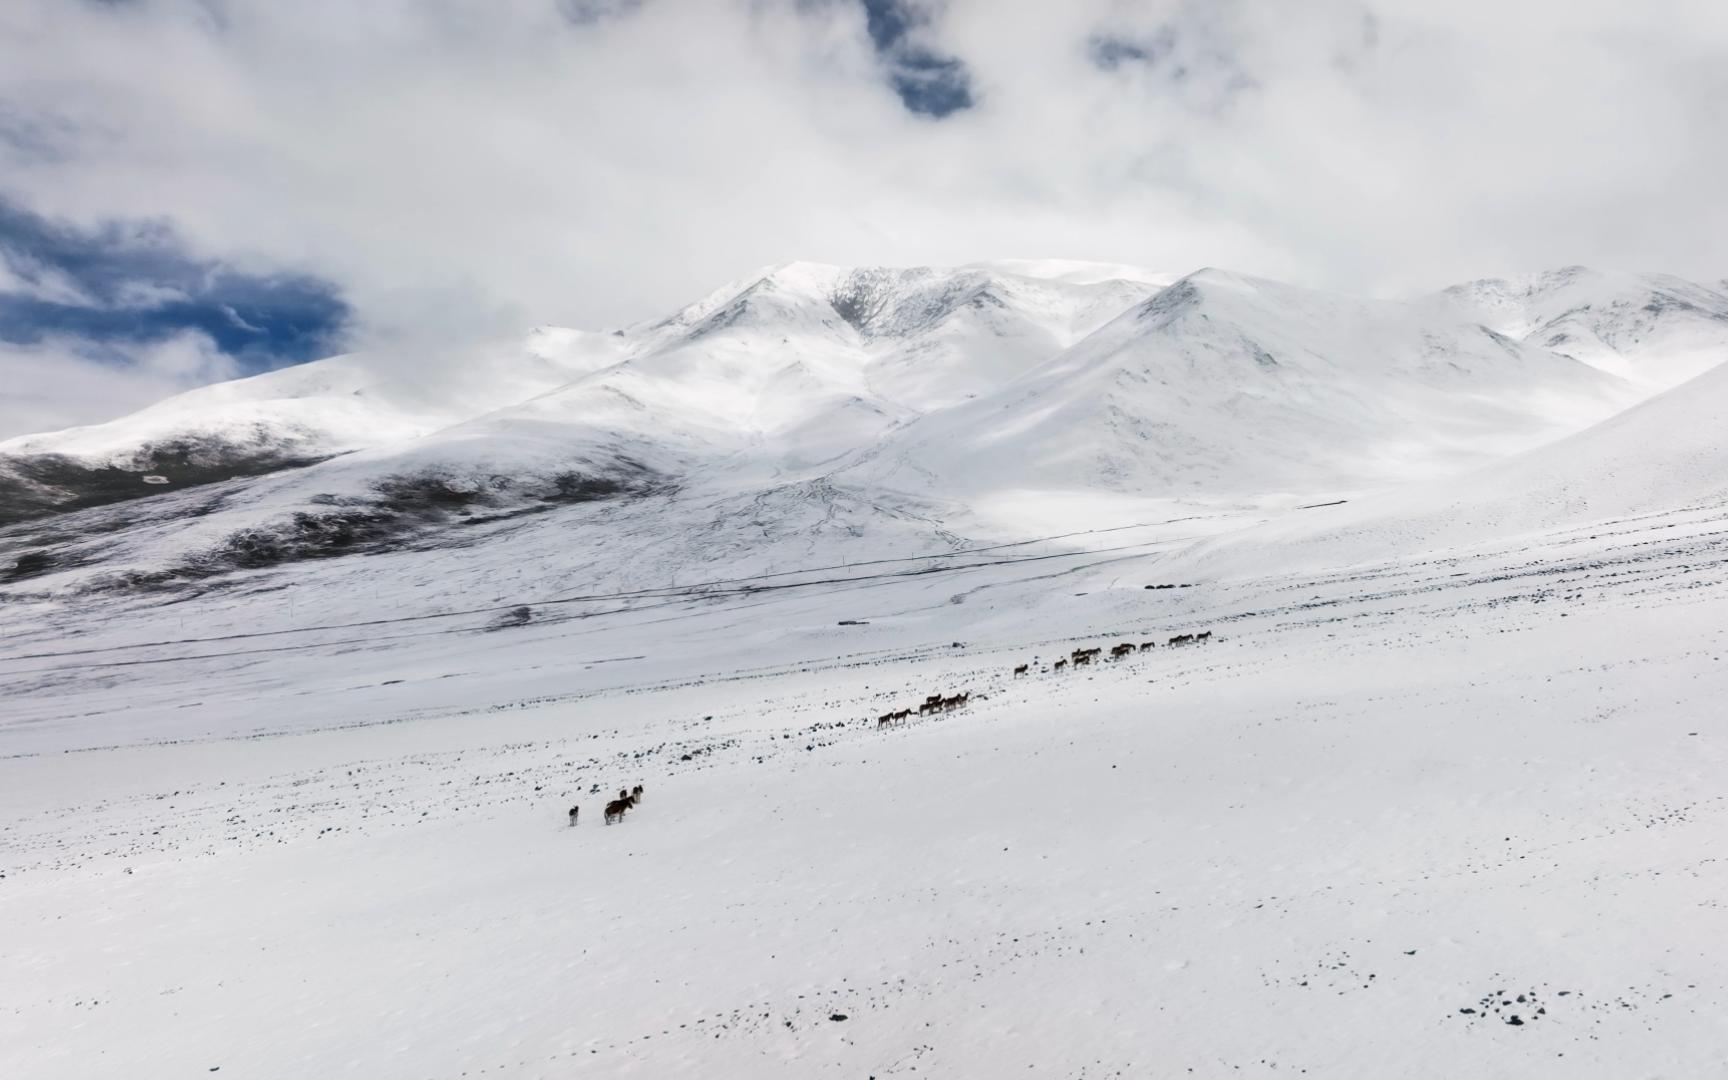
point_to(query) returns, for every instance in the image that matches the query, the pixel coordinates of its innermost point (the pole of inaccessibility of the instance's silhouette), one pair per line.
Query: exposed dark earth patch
(516, 616)
(40, 485)
(1521, 1008)
(31, 564)
(399, 511)
(404, 506)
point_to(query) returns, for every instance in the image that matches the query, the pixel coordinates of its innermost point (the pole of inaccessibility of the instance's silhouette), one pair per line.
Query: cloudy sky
(194, 189)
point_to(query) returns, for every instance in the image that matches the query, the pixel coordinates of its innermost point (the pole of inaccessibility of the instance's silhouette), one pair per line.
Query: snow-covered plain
(1442, 797)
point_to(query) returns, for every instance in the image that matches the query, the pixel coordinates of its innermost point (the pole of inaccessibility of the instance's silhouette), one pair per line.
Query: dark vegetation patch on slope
(44, 484)
(31, 564)
(399, 511)
(403, 507)
(88, 535)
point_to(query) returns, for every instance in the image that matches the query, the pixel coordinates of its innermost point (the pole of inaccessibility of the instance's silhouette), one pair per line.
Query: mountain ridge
(925, 406)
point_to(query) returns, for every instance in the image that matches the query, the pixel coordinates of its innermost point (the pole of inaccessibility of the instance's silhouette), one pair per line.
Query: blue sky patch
(127, 282)
(927, 82)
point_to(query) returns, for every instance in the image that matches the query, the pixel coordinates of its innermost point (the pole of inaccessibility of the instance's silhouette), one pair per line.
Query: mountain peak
(802, 274)
(1072, 271)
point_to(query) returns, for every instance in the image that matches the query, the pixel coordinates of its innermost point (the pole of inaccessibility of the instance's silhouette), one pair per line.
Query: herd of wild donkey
(626, 800)
(940, 703)
(1083, 657)
(935, 703)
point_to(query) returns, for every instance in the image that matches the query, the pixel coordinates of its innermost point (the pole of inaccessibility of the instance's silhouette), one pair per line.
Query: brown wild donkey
(615, 809)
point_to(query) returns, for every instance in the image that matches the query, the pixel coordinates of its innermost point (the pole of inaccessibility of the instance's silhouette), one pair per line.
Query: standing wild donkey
(615, 809)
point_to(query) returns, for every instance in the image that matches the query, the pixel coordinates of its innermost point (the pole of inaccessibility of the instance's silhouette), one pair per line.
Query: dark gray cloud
(1190, 53)
(589, 12)
(1109, 52)
(928, 82)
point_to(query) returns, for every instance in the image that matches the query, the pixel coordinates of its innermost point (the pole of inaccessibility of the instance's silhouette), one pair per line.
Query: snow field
(1306, 847)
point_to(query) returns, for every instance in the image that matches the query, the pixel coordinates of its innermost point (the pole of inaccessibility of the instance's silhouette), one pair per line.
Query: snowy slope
(1465, 832)
(1654, 329)
(288, 417)
(345, 402)
(1224, 384)
(1666, 455)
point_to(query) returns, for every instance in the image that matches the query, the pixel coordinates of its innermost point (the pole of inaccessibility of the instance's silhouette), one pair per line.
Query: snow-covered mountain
(282, 419)
(814, 360)
(1225, 384)
(924, 408)
(1654, 329)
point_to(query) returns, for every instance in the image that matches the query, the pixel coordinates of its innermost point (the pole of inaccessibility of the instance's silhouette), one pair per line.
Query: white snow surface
(1374, 802)
(1441, 794)
(1666, 456)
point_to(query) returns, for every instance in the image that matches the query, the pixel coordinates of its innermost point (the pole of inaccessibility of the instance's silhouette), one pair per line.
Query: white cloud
(42, 283)
(472, 165)
(144, 295)
(60, 382)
